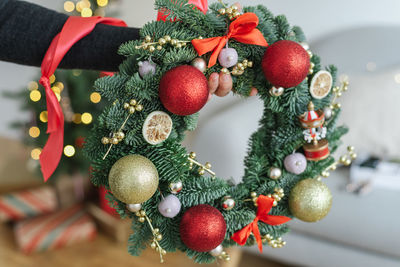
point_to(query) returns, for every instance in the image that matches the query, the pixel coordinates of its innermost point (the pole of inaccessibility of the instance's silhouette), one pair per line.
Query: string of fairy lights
(85, 8)
(76, 118)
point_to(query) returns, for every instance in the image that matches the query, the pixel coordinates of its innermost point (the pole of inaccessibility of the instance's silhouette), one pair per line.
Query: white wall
(317, 18)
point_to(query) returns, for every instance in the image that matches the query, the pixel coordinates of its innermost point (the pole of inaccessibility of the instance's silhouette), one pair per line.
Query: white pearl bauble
(228, 203)
(176, 187)
(228, 57)
(328, 113)
(275, 173)
(134, 207)
(217, 251)
(199, 64)
(169, 206)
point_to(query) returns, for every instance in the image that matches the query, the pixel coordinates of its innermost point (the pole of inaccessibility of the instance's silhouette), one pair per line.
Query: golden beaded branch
(273, 242)
(345, 159)
(118, 136)
(202, 168)
(157, 236)
(232, 11)
(224, 256)
(338, 90)
(277, 196)
(151, 45)
(239, 68)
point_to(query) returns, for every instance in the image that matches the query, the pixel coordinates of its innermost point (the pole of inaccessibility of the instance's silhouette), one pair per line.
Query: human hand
(221, 84)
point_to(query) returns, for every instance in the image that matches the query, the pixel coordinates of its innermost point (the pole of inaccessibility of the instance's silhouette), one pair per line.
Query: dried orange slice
(157, 127)
(321, 84)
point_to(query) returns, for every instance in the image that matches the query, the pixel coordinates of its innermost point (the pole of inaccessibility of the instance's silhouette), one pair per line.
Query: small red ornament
(183, 90)
(202, 228)
(80, 141)
(285, 64)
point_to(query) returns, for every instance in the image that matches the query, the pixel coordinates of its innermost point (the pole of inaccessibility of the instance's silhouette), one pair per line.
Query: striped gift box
(55, 230)
(27, 203)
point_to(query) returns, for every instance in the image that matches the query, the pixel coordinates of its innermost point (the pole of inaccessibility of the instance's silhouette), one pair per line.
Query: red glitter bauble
(285, 64)
(202, 228)
(183, 90)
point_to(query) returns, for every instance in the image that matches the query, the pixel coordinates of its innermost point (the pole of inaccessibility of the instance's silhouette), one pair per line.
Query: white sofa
(359, 230)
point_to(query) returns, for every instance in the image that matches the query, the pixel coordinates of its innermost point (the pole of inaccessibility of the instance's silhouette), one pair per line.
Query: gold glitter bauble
(133, 179)
(310, 200)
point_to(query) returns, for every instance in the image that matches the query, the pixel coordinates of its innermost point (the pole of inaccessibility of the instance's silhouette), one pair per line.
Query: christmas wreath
(179, 203)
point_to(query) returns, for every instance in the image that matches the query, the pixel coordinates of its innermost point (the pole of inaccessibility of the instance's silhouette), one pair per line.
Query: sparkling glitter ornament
(228, 203)
(169, 206)
(310, 200)
(217, 251)
(285, 63)
(133, 179)
(228, 57)
(295, 163)
(202, 228)
(157, 127)
(274, 173)
(134, 207)
(147, 68)
(321, 84)
(183, 90)
(175, 187)
(200, 64)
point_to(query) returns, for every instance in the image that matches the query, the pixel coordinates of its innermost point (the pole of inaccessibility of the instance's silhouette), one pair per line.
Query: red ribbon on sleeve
(243, 29)
(74, 29)
(264, 206)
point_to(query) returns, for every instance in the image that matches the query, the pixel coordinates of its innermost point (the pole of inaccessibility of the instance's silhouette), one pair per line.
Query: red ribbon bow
(74, 29)
(264, 207)
(243, 29)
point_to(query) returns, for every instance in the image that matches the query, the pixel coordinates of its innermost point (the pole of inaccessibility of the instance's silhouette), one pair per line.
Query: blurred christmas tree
(80, 104)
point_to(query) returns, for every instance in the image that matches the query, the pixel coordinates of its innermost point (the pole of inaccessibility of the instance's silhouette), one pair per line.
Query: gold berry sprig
(311, 69)
(151, 45)
(239, 68)
(132, 107)
(157, 236)
(232, 11)
(345, 159)
(202, 168)
(273, 242)
(337, 91)
(277, 196)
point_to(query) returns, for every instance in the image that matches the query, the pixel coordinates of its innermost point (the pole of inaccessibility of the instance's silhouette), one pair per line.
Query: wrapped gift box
(55, 230)
(27, 203)
(112, 226)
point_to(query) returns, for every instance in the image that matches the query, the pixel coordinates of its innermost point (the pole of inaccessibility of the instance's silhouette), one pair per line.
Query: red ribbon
(264, 206)
(202, 5)
(74, 29)
(243, 29)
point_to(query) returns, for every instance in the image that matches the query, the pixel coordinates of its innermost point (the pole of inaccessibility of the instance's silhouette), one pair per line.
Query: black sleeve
(26, 31)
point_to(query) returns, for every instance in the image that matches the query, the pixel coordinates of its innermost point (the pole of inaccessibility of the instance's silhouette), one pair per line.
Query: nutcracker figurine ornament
(316, 148)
